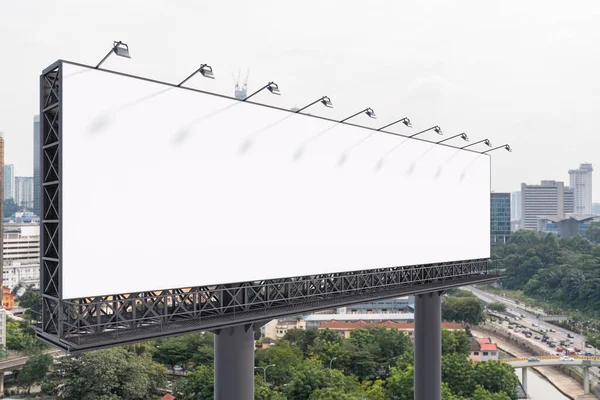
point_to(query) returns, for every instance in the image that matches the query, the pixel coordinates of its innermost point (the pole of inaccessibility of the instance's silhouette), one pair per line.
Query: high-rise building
(581, 182)
(2, 206)
(9, 182)
(500, 218)
(36, 164)
(24, 191)
(515, 206)
(551, 198)
(569, 205)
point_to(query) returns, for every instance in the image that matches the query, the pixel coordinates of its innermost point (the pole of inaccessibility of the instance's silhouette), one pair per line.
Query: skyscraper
(500, 218)
(581, 182)
(36, 164)
(551, 198)
(9, 182)
(24, 191)
(515, 206)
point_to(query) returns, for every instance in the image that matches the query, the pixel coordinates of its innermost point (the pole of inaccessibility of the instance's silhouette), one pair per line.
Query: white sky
(524, 73)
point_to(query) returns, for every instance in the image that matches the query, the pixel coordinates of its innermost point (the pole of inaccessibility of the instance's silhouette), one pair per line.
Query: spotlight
(324, 100)
(272, 86)
(436, 129)
(369, 111)
(463, 136)
(204, 70)
(404, 120)
(119, 48)
(485, 141)
(504, 146)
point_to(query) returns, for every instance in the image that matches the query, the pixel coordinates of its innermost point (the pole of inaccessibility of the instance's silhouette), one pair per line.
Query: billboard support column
(234, 363)
(428, 346)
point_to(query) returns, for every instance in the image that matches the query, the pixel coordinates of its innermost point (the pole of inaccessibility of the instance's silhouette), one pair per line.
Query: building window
(475, 353)
(485, 353)
(493, 353)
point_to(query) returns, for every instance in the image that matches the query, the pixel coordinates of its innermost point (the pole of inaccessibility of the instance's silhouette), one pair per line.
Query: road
(530, 319)
(9, 364)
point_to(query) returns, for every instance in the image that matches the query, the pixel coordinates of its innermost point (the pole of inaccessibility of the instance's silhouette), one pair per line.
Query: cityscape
(315, 229)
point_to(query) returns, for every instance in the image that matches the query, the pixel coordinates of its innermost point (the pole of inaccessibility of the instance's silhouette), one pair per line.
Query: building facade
(21, 244)
(500, 218)
(568, 226)
(581, 182)
(36, 165)
(546, 199)
(9, 182)
(482, 349)
(515, 206)
(24, 191)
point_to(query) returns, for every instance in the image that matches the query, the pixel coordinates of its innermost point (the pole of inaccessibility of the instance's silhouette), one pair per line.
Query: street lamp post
(330, 361)
(265, 371)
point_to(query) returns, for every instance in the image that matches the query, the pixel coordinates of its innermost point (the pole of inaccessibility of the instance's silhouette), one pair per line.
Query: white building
(581, 182)
(21, 255)
(9, 181)
(515, 206)
(24, 191)
(551, 198)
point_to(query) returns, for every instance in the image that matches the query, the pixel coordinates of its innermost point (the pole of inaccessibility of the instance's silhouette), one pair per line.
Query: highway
(8, 364)
(530, 319)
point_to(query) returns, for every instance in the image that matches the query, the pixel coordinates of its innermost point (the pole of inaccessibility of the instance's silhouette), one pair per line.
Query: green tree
(34, 371)
(496, 377)
(455, 342)
(20, 337)
(106, 375)
(400, 384)
(310, 376)
(497, 306)
(593, 232)
(373, 390)
(172, 352)
(391, 343)
(198, 384)
(456, 373)
(284, 356)
(265, 392)
(447, 393)
(464, 309)
(482, 394)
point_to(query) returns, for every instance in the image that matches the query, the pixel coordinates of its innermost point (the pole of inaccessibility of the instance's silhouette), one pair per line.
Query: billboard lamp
(272, 86)
(404, 120)
(369, 111)
(462, 135)
(486, 141)
(204, 70)
(436, 129)
(505, 146)
(119, 48)
(325, 100)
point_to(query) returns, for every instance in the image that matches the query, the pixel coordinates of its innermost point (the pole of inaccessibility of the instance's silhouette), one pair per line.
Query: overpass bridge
(555, 361)
(12, 363)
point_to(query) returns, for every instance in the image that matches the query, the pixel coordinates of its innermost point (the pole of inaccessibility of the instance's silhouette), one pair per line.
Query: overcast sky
(518, 72)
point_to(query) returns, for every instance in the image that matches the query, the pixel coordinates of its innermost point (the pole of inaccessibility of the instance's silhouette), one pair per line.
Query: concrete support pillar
(2, 383)
(524, 378)
(586, 380)
(428, 346)
(234, 363)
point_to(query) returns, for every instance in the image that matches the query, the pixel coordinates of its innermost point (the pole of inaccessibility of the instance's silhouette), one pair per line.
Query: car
(577, 349)
(572, 341)
(566, 358)
(544, 339)
(588, 354)
(537, 337)
(532, 359)
(569, 335)
(588, 346)
(518, 330)
(551, 330)
(522, 316)
(552, 345)
(534, 324)
(511, 327)
(559, 349)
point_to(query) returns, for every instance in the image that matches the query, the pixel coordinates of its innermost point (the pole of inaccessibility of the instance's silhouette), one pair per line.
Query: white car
(566, 358)
(534, 324)
(571, 341)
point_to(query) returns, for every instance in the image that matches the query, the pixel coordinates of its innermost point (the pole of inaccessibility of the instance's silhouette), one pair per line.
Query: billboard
(165, 187)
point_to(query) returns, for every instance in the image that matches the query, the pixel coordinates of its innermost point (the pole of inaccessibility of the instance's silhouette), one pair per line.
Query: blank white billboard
(165, 187)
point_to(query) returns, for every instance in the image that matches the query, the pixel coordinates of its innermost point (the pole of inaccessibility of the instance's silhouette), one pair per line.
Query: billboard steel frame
(103, 321)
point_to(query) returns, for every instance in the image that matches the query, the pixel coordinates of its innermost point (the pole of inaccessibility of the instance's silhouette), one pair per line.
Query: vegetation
(497, 306)
(20, 337)
(463, 309)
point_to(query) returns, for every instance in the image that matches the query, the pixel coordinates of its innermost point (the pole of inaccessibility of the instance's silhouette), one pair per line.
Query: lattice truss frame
(103, 321)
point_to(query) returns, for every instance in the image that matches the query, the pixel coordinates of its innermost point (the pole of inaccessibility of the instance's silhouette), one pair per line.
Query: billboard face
(165, 187)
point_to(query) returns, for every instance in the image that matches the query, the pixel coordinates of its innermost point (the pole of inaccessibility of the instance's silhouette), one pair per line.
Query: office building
(550, 198)
(500, 218)
(581, 182)
(9, 182)
(24, 191)
(36, 165)
(568, 226)
(21, 255)
(515, 206)
(569, 205)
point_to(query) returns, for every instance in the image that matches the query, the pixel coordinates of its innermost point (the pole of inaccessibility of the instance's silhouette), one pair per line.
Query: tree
(284, 356)
(373, 390)
(497, 306)
(310, 376)
(465, 309)
(400, 384)
(20, 337)
(496, 377)
(447, 393)
(10, 208)
(391, 344)
(106, 375)
(34, 371)
(455, 342)
(198, 384)
(172, 352)
(456, 373)
(482, 394)
(265, 392)
(593, 232)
